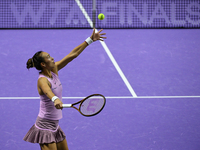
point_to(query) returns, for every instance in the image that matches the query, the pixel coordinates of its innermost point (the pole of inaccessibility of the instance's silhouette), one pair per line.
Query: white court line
(111, 97)
(84, 13)
(108, 51)
(118, 69)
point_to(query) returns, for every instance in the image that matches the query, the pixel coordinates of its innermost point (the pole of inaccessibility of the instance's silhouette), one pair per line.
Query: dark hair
(35, 61)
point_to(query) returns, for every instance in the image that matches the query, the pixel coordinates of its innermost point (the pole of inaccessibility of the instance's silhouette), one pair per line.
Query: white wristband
(54, 98)
(89, 40)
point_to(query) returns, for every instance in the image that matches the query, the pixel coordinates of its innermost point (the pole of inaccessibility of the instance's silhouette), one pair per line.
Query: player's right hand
(58, 104)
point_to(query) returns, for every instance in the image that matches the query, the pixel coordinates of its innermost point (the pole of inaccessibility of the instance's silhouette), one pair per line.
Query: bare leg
(50, 146)
(62, 145)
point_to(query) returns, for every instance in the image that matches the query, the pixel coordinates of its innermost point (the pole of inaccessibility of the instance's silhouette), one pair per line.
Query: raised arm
(77, 50)
(73, 54)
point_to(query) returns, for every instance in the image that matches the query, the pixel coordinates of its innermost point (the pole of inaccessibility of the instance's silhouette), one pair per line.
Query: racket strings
(92, 105)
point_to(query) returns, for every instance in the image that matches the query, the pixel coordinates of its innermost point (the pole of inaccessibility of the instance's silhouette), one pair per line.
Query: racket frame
(81, 101)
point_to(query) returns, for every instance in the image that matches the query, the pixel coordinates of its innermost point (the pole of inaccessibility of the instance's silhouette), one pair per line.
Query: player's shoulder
(42, 80)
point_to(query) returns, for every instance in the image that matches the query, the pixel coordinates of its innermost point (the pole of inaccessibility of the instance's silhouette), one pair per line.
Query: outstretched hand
(97, 36)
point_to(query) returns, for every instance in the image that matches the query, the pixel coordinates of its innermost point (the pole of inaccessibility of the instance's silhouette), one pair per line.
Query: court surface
(159, 110)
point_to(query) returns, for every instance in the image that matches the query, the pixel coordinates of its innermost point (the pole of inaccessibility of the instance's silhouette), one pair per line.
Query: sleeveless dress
(46, 128)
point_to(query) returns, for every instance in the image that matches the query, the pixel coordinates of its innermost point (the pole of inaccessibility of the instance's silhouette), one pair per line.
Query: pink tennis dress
(46, 128)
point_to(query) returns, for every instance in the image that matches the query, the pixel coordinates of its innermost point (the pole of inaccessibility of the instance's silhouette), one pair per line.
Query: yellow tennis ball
(101, 16)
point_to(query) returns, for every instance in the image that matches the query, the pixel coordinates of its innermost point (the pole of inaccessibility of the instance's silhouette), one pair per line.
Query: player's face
(49, 61)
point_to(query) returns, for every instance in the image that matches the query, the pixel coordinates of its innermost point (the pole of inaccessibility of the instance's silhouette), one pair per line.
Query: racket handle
(66, 105)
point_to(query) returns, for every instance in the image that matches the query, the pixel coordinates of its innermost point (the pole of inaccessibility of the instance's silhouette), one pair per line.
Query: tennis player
(46, 130)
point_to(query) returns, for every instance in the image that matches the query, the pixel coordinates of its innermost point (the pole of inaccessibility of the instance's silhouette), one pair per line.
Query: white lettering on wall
(57, 6)
(133, 11)
(28, 11)
(75, 15)
(106, 7)
(112, 11)
(159, 13)
(191, 13)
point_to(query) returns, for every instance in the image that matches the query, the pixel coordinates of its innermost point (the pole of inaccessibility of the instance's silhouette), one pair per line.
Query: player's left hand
(97, 36)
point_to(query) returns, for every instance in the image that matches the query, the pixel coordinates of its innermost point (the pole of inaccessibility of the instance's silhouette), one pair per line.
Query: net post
(94, 13)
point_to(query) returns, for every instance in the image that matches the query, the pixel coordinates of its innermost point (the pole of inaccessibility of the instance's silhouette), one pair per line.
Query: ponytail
(29, 63)
(35, 61)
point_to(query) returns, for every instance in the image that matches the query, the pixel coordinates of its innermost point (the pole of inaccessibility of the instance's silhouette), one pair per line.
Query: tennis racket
(89, 106)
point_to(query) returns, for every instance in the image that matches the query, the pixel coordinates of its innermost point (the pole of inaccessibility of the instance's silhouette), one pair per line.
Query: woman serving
(46, 130)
